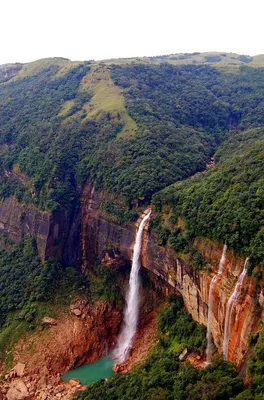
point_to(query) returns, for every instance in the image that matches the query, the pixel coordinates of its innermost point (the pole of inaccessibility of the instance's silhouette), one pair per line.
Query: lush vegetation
(33, 132)
(255, 369)
(51, 144)
(178, 330)
(24, 281)
(226, 202)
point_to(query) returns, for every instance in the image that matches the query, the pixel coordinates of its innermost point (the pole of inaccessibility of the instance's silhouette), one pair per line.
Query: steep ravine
(89, 235)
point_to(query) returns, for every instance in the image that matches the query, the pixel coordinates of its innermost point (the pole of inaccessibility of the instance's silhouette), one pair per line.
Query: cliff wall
(88, 236)
(56, 233)
(104, 240)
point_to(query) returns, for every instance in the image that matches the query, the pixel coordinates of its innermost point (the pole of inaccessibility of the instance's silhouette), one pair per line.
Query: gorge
(102, 145)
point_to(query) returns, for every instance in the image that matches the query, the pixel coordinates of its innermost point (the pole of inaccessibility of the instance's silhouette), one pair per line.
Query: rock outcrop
(101, 238)
(194, 288)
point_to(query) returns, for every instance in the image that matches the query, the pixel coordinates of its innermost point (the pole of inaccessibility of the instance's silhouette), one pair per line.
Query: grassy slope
(107, 98)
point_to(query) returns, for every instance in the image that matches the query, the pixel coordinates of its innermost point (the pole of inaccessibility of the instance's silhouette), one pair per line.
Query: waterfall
(128, 331)
(210, 306)
(229, 309)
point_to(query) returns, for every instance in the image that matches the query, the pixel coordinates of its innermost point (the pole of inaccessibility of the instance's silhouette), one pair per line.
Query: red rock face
(194, 288)
(74, 340)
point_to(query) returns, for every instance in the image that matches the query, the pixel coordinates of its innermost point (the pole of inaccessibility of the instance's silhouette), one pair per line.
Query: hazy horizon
(33, 30)
(129, 57)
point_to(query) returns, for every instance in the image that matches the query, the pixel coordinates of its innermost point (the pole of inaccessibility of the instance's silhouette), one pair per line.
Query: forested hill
(135, 127)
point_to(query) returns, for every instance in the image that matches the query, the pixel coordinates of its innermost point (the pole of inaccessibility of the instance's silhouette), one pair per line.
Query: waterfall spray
(229, 309)
(128, 331)
(210, 306)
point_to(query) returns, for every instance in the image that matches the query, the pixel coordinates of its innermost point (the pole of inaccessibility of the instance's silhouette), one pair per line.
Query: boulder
(74, 382)
(19, 369)
(49, 321)
(76, 311)
(183, 355)
(18, 391)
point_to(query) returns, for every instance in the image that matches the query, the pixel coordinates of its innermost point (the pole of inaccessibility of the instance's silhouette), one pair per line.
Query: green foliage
(226, 202)
(103, 284)
(119, 212)
(163, 377)
(25, 282)
(177, 325)
(182, 114)
(179, 240)
(9, 336)
(161, 230)
(30, 125)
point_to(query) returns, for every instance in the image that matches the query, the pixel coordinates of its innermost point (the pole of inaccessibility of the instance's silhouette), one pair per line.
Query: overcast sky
(99, 29)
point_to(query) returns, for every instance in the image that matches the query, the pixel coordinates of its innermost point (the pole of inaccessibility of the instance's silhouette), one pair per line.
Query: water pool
(93, 372)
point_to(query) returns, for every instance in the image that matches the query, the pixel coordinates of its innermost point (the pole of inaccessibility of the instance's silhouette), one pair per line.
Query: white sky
(99, 29)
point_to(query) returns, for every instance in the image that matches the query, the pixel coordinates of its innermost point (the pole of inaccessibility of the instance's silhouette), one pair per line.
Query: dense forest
(182, 114)
(226, 202)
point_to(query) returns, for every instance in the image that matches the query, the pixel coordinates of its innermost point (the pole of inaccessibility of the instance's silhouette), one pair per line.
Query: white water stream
(230, 307)
(211, 304)
(124, 342)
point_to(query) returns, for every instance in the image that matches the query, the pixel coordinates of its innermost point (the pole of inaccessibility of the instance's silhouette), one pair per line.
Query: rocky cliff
(105, 240)
(56, 233)
(194, 288)
(88, 235)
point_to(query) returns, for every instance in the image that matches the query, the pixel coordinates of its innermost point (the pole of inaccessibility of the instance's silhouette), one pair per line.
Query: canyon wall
(87, 235)
(194, 288)
(104, 240)
(56, 233)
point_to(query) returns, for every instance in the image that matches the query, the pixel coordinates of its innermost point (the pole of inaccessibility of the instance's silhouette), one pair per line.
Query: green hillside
(227, 201)
(134, 129)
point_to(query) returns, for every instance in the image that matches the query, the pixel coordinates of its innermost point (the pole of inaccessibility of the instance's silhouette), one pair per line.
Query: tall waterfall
(229, 309)
(128, 331)
(211, 304)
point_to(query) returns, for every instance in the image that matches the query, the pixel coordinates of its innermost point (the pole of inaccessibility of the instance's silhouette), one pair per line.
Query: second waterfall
(128, 331)
(211, 305)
